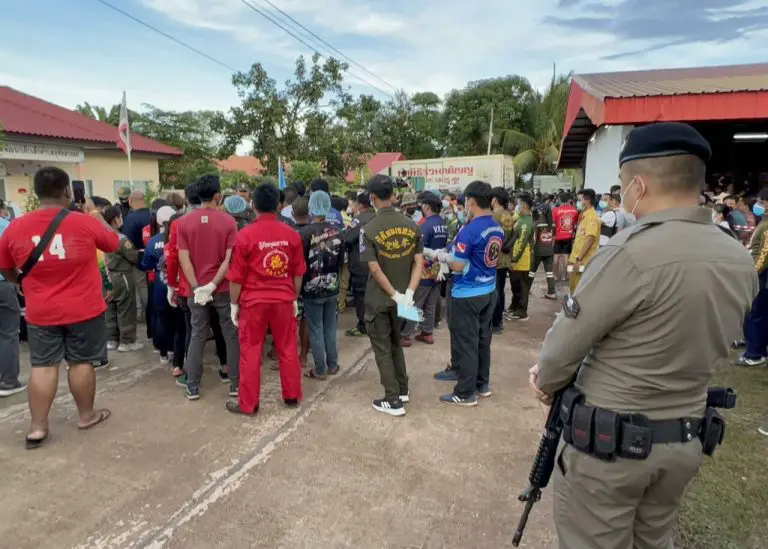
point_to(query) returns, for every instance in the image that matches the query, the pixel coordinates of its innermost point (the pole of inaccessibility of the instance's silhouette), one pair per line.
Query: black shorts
(563, 246)
(81, 343)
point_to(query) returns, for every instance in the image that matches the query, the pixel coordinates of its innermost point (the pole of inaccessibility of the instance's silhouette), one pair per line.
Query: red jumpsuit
(268, 255)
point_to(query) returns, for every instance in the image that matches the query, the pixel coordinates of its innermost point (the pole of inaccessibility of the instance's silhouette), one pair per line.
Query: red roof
(23, 114)
(377, 163)
(248, 164)
(738, 92)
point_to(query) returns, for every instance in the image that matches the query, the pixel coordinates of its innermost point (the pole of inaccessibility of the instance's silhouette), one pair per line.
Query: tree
(230, 180)
(536, 150)
(102, 114)
(276, 121)
(305, 171)
(467, 113)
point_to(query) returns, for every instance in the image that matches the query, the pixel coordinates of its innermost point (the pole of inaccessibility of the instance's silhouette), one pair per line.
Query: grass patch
(726, 506)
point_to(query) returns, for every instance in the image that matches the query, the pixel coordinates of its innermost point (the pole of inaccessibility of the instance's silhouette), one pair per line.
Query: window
(138, 185)
(89, 187)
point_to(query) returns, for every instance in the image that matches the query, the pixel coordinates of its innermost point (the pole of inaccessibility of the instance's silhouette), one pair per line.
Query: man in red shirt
(265, 275)
(565, 217)
(206, 237)
(65, 306)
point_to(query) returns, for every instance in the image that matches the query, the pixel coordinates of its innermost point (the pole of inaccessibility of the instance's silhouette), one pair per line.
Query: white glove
(171, 297)
(296, 309)
(234, 311)
(409, 298)
(429, 253)
(400, 299)
(443, 256)
(444, 270)
(204, 294)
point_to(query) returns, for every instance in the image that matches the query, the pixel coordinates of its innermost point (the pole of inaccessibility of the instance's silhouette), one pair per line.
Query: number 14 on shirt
(56, 248)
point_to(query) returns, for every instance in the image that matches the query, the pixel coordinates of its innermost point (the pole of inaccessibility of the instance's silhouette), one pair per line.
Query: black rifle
(543, 464)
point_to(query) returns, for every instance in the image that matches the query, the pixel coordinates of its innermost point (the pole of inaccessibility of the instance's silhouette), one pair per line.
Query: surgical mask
(603, 204)
(624, 194)
(417, 215)
(460, 216)
(579, 205)
(758, 210)
(446, 203)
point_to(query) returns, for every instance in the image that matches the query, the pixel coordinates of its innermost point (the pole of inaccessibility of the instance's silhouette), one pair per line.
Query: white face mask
(624, 194)
(446, 203)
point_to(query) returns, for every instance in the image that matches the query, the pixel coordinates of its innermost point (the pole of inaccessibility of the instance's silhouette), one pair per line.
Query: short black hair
(51, 182)
(480, 191)
(364, 199)
(112, 213)
(208, 186)
(167, 233)
(319, 184)
(528, 200)
(266, 198)
(501, 195)
(381, 187)
(100, 202)
(590, 195)
(615, 189)
(300, 187)
(430, 199)
(339, 203)
(300, 207)
(190, 192)
(158, 203)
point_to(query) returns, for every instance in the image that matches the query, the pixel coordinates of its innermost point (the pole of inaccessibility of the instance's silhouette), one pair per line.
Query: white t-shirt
(608, 219)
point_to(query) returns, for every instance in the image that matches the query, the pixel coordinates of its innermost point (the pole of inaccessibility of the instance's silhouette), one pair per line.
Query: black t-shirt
(324, 255)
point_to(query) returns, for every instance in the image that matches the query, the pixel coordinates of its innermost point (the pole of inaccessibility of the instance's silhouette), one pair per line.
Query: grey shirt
(659, 305)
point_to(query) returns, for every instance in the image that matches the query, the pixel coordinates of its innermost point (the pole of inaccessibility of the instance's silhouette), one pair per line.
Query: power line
(278, 24)
(168, 36)
(331, 47)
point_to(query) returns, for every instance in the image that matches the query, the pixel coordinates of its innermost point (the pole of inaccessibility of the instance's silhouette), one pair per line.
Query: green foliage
(31, 202)
(230, 180)
(305, 171)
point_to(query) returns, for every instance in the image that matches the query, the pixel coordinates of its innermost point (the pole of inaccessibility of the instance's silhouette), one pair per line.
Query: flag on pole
(280, 174)
(124, 129)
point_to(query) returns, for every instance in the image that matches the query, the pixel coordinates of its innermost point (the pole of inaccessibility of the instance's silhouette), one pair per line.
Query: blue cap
(235, 204)
(664, 139)
(319, 204)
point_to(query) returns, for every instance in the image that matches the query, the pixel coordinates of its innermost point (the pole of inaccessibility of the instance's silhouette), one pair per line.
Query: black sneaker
(234, 407)
(234, 390)
(738, 344)
(8, 389)
(192, 393)
(223, 376)
(497, 329)
(392, 408)
(292, 402)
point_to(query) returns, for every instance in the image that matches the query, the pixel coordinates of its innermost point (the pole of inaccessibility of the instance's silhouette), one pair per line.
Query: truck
(455, 173)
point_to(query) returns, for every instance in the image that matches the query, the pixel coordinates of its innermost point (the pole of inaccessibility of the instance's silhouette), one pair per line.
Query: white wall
(602, 166)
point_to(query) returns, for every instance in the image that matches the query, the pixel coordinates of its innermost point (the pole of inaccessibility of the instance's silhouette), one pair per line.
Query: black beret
(664, 139)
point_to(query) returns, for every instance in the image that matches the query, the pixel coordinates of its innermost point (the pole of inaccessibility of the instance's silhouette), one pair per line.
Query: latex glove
(443, 256)
(296, 309)
(409, 298)
(234, 311)
(400, 299)
(171, 297)
(444, 271)
(204, 294)
(429, 253)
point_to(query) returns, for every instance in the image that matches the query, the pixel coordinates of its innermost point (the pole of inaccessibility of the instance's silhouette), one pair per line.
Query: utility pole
(490, 133)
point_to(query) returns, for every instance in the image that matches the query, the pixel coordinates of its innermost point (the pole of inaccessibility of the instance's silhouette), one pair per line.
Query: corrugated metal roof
(701, 80)
(26, 115)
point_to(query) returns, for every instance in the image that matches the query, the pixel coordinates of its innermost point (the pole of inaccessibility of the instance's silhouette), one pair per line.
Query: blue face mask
(758, 210)
(603, 204)
(460, 216)
(579, 205)
(517, 208)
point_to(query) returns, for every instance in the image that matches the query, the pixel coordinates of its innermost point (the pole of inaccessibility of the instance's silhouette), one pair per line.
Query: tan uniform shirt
(659, 306)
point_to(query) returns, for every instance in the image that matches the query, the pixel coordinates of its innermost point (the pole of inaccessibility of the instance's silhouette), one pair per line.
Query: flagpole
(490, 134)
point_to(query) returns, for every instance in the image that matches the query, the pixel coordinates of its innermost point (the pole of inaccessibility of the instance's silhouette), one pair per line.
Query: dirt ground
(165, 472)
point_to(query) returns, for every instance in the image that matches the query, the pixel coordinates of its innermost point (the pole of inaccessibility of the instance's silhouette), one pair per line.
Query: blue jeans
(322, 319)
(756, 322)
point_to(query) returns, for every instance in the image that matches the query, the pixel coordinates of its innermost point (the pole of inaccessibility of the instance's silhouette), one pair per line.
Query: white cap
(164, 215)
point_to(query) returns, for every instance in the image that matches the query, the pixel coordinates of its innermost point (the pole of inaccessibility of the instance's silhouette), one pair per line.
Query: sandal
(35, 443)
(101, 416)
(312, 375)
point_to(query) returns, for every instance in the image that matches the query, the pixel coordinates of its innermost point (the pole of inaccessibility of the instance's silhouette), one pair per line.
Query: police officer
(391, 244)
(651, 318)
(358, 270)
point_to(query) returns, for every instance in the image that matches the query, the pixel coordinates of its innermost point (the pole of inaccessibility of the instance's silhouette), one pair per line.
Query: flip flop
(102, 415)
(35, 443)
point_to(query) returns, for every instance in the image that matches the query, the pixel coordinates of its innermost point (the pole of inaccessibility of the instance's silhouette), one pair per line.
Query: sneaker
(455, 399)
(405, 397)
(8, 389)
(192, 393)
(292, 402)
(391, 408)
(521, 318)
(497, 329)
(484, 391)
(112, 345)
(355, 332)
(130, 347)
(512, 316)
(164, 360)
(223, 376)
(763, 430)
(156, 351)
(234, 407)
(405, 342)
(449, 374)
(438, 325)
(425, 338)
(181, 381)
(738, 344)
(100, 364)
(550, 296)
(234, 390)
(744, 361)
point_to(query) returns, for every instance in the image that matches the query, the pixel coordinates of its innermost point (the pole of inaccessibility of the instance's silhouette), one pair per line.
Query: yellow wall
(103, 168)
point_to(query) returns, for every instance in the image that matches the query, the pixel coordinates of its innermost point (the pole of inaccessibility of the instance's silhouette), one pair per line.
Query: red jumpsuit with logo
(268, 255)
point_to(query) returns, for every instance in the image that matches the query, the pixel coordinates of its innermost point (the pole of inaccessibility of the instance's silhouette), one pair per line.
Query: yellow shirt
(589, 225)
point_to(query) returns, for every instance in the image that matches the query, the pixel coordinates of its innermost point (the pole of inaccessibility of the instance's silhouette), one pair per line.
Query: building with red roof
(378, 163)
(728, 105)
(246, 164)
(38, 133)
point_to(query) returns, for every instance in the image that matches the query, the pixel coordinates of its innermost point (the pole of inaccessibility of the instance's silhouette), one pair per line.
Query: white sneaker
(112, 345)
(165, 360)
(130, 347)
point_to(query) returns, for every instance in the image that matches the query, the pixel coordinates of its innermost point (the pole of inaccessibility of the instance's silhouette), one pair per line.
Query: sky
(73, 51)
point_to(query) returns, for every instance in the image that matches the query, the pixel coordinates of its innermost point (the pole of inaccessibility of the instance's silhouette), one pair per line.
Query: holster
(570, 399)
(712, 431)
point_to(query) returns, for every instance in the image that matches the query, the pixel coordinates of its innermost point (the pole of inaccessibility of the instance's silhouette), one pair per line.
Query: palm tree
(111, 116)
(538, 153)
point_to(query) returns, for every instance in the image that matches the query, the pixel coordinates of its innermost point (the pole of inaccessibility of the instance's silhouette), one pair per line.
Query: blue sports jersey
(479, 245)
(436, 238)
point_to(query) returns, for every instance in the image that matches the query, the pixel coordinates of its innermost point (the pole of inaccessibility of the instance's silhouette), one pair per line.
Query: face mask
(625, 194)
(758, 210)
(579, 205)
(714, 216)
(603, 204)
(446, 203)
(417, 215)
(517, 208)
(349, 210)
(460, 216)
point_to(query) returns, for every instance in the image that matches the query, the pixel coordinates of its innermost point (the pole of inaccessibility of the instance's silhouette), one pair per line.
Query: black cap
(381, 186)
(664, 139)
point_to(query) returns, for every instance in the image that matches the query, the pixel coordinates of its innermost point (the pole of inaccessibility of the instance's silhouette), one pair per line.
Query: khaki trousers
(625, 504)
